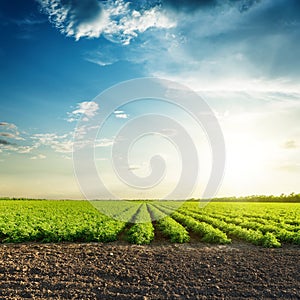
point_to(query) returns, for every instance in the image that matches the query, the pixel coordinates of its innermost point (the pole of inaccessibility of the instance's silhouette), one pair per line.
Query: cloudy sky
(240, 56)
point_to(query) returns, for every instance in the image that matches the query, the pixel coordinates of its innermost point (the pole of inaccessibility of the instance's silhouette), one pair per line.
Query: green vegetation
(143, 231)
(169, 227)
(208, 233)
(55, 221)
(263, 224)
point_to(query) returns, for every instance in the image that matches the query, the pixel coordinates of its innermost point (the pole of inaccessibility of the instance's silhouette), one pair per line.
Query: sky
(240, 56)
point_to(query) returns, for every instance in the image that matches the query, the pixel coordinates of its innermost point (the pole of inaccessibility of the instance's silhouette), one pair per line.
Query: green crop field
(139, 222)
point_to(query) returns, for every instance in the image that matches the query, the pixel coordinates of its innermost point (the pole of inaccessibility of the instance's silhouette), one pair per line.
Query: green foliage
(269, 240)
(141, 233)
(119, 210)
(263, 224)
(175, 231)
(55, 221)
(252, 222)
(209, 233)
(169, 227)
(142, 215)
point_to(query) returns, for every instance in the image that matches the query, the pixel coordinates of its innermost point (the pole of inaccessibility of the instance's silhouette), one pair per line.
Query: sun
(245, 163)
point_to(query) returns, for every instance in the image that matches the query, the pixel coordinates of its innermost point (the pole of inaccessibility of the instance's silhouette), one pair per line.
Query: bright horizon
(241, 57)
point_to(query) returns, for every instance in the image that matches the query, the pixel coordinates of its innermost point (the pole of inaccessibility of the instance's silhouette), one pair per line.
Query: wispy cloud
(120, 114)
(190, 6)
(76, 18)
(104, 143)
(126, 23)
(118, 21)
(28, 21)
(209, 44)
(101, 159)
(6, 134)
(39, 156)
(218, 49)
(8, 125)
(58, 143)
(41, 141)
(25, 149)
(84, 111)
(101, 57)
(213, 45)
(11, 132)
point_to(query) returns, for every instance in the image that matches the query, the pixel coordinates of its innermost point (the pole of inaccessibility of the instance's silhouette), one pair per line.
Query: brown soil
(159, 271)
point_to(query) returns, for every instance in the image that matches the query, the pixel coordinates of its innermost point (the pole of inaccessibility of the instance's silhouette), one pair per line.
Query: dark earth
(159, 271)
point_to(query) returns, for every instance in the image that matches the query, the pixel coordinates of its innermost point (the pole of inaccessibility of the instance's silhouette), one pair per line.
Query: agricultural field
(140, 222)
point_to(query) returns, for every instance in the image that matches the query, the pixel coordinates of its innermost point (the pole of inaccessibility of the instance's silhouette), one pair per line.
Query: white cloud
(45, 138)
(128, 24)
(104, 143)
(63, 146)
(39, 156)
(101, 159)
(100, 58)
(84, 110)
(210, 49)
(76, 18)
(115, 20)
(8, 125)
(8, 135)
(11, 131)
(59, 143)
(120, 114)
(14, 136)
(25, 149)
(65, 143)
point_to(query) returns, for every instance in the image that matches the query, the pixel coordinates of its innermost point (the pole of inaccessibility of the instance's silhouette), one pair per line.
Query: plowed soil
(159, 271)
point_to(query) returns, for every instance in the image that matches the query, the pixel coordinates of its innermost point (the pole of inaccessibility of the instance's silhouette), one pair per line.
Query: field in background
(139, 222)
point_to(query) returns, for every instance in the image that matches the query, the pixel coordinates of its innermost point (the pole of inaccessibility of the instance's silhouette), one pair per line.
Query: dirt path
(121, 271)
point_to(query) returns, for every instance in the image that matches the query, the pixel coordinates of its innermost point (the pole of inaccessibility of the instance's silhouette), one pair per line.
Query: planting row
(139, 221)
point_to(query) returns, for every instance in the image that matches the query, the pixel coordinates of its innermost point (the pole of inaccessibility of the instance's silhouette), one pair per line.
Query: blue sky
(241, 56)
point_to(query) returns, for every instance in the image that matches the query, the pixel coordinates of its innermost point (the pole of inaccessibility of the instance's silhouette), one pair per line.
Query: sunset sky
(240, 56)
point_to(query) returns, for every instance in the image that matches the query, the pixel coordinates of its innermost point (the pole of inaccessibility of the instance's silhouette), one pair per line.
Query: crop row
(56, 221)
(262, 224)
(206, 231)
(282, 232)
(253, 236)
(169, 227)
(273, 212)
(103, 221)
(142, 232)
